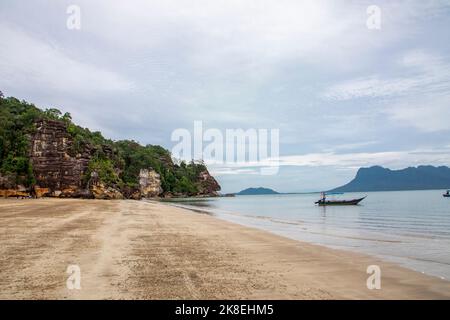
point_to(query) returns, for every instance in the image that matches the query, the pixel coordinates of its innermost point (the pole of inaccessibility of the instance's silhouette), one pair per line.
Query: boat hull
(352, 202)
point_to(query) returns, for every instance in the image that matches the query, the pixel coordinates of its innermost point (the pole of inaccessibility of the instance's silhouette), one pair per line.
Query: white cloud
(427, 113)
(251, 40)
(351, 146)
(373, 87)
(425, 73)
(222, 171)
(390, 159)
(27, 62)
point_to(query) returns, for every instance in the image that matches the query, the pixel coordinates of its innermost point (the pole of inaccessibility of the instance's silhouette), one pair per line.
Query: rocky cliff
(207, 185)
(57, 172)
(149, 183)
(43, 153)
(61, 170)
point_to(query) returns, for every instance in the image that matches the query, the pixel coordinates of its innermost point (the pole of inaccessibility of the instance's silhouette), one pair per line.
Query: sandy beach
(142, 250)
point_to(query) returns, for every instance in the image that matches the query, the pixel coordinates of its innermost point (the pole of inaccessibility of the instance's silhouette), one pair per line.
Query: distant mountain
(256, 191)
(382, 179)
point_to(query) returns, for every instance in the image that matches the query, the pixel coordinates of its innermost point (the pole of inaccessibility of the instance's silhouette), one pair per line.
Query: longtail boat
(324, 202)
(339, 202)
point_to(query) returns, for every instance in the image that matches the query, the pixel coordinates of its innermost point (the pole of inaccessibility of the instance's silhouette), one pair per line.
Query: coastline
(150, 250)
(400, 233)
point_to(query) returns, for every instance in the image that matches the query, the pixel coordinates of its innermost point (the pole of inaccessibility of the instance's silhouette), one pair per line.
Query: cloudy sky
(342, 95)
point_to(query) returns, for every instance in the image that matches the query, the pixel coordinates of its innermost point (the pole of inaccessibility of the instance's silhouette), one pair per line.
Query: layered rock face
(207, 185)
(149, 183)
(57, 172)
(98, 190)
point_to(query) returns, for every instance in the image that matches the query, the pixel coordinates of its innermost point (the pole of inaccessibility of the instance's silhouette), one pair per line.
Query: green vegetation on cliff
(117, 162)
(17, 120)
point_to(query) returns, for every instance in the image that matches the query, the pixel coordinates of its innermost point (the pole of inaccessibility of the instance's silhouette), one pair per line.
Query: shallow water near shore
(411, 228)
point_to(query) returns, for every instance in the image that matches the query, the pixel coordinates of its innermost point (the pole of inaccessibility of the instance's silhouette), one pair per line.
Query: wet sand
(141, 250)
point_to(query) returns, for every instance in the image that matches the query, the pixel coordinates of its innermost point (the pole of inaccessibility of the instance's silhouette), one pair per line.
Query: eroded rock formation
(207, 185)
(57, 172)
(98, 190)
(149, 183)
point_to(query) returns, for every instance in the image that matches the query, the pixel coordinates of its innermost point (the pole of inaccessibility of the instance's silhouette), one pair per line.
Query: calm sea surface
(411, 228)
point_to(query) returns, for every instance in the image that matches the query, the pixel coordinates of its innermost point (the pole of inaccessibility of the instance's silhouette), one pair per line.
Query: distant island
(256, 191)
(377, 178)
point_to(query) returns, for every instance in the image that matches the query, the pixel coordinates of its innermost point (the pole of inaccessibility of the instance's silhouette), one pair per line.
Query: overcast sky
(342, 95)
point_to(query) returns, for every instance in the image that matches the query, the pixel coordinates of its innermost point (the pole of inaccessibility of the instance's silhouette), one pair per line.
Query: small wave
(429, 260)
(355, 238)
(286, 222)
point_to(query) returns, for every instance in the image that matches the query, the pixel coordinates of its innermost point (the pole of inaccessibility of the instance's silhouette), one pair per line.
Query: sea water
(410, 228)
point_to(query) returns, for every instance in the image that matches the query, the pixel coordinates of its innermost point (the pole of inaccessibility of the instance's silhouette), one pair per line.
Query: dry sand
(141, 250)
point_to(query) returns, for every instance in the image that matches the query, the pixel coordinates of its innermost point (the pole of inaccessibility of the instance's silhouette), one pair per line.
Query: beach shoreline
(128, 249)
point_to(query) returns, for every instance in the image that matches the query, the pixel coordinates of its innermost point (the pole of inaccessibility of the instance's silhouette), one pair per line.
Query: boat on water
(447, 194)
(324, 202)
